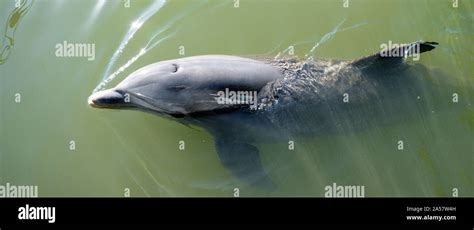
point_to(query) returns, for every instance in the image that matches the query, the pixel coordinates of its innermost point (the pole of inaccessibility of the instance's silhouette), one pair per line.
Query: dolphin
(243, 101)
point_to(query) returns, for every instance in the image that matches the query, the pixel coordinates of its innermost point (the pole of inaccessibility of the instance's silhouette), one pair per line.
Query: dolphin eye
(178, 87)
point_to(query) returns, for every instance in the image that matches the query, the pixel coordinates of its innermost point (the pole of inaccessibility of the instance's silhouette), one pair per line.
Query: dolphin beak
(106, 99)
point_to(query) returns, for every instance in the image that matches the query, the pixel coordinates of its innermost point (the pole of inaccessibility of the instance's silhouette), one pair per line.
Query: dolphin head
(185, 86)
(154, 88)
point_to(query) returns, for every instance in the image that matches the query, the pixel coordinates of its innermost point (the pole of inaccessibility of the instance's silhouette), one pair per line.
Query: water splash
(281, 54)
(142, 52)
(136, 25)
(154, 41)
(10, 28)
(94, 13)
(310, 56)
(311, 53)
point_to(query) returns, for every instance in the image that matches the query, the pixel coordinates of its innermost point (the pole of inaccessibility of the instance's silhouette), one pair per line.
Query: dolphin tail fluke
(391, 56)
(243, 160)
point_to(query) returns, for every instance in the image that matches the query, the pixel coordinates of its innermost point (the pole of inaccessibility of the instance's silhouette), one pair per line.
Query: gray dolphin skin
(293, 98)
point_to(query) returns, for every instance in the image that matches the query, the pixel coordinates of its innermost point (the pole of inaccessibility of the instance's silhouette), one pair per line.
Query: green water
(119, 150)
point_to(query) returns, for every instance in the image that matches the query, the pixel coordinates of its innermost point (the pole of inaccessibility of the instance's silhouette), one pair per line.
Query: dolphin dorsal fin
(393, 56)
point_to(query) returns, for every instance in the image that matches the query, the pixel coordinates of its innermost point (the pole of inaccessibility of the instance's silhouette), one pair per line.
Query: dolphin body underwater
(294, 98)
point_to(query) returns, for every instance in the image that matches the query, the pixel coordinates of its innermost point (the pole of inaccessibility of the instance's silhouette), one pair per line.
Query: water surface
(116, 150)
